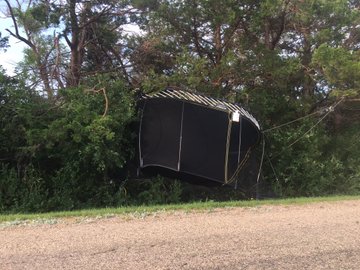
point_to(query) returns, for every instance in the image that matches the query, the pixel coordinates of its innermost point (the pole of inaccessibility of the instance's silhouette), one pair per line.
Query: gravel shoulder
(311, 236)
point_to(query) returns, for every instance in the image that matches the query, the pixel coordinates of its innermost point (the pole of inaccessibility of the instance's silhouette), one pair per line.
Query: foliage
(68, 41)
(156, 190)
(3, 42)
(283, 59)
(64, 155)
(340, 68)
(68, 117)
(346, 159)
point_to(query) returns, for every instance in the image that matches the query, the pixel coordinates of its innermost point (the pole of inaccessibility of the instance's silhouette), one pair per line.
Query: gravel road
(312, 236)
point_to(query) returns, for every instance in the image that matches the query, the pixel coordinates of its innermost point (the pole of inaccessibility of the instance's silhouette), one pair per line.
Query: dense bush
(307, 157)
(317, 164)
(149, 191)
(70, 153)
(68, 148)
(64, 154)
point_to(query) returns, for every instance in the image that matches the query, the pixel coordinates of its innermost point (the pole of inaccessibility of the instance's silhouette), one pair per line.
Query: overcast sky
(14, 54)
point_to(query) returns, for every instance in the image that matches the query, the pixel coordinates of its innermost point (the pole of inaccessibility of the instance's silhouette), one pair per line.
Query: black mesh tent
(192, 134)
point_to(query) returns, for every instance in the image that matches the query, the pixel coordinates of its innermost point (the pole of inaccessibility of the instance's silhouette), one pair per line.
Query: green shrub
(157, 190)
(24, 193)
(9, 188)
(65, 155)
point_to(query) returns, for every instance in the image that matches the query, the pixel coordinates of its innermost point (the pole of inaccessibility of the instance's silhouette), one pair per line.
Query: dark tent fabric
(160, 133)
(204, 142)
(195, 135)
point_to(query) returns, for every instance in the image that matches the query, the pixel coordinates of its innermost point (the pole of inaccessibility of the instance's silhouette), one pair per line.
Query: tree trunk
(218, 46)
(45, 79)
(78, 37)
(309, 83)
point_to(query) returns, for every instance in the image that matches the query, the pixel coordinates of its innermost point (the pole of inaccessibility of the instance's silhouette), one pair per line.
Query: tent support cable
(260, 168)
(331, 109)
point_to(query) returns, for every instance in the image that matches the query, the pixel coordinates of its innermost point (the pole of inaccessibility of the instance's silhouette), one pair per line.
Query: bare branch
(103, 90)
(67, 38)
(95, 18)
(17, 32)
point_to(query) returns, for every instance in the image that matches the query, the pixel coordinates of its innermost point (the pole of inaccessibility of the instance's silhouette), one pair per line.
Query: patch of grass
(145, 210)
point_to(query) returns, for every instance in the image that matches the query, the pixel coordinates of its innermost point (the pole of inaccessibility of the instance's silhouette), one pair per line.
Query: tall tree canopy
(222, 47)
(71, 102)
(70, 40)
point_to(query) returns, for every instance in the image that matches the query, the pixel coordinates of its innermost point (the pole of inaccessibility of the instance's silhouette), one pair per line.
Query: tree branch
(103, 90)
(17, 33)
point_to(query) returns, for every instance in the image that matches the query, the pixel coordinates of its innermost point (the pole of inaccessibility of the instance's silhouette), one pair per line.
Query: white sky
(14, 53)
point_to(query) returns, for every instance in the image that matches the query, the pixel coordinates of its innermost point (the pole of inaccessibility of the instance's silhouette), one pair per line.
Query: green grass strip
(104, 212)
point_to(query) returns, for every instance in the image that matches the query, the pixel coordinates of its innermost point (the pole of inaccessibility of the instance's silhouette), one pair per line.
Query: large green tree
(64, 155)
(68, 41)
(284, 59)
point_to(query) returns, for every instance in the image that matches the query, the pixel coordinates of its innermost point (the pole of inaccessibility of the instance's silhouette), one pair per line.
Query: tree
(284, 59)
(64, 155)
(85, 39)
(340, 68)
(3, 42)
(199, 37)
(268, 54)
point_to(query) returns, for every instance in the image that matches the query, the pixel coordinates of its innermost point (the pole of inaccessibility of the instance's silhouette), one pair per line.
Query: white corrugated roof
(204, 100)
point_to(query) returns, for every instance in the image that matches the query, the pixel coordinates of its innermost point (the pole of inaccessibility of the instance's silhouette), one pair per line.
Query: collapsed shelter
(196, 135)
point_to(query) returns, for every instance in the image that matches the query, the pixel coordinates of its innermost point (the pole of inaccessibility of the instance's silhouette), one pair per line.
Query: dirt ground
(313, 236)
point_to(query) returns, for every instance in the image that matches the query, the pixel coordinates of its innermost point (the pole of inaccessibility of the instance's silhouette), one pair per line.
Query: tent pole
(240, 135)
(181, 135)
(228, 137)
(141, 162)
(239, 152)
